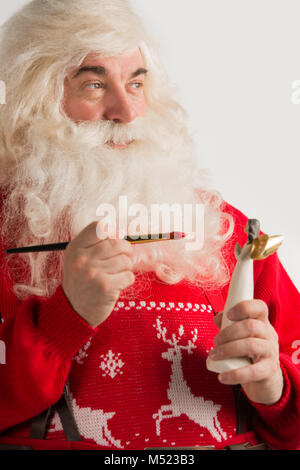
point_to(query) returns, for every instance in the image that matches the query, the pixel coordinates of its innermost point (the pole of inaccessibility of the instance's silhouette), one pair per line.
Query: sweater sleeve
(39, 337)
(279, 424)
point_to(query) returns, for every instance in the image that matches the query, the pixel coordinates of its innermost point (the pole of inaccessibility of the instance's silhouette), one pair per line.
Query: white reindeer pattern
(183, 402)
(92, 425)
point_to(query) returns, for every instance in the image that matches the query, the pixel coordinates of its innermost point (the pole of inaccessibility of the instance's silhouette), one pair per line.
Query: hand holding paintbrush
(96, 271)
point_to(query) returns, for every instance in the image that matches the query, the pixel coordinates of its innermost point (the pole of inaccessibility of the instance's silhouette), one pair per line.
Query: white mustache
(89, 135)
(106, 132)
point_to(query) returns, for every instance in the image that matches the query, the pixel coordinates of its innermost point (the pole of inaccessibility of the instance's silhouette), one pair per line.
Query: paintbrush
(150, 238)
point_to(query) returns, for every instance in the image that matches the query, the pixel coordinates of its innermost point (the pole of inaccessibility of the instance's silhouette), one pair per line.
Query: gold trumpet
(265, 245)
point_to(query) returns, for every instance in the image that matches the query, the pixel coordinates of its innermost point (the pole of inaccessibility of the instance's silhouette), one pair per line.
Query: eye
(95, 86)
(136, 85)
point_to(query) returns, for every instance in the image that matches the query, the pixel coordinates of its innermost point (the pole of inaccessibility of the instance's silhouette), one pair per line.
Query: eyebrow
(99, 70)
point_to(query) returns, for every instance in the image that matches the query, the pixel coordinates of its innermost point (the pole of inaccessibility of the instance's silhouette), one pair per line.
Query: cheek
(81, 110)
(141, 108)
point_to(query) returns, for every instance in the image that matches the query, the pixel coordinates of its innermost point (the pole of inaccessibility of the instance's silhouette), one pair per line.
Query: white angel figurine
(241, 286)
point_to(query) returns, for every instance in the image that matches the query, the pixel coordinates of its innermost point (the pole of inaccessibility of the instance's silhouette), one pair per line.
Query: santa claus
(90, 117)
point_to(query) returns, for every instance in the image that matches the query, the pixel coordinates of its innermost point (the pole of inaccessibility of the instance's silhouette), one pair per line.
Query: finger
(250, 347)
(249, 328)
(117, 264)
(123, 279)
(110, 248)
(253, 373)
(249, 309)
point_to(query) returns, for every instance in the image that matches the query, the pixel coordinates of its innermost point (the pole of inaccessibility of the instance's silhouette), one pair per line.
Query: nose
(119, 107)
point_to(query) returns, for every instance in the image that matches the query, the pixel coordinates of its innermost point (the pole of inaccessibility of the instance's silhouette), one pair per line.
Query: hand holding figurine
(247, 350)
(251, 335)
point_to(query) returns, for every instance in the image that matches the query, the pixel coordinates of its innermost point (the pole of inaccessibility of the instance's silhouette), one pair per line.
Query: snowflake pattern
(111, 364)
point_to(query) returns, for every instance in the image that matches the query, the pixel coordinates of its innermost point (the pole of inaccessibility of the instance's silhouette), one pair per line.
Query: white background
(233, 63)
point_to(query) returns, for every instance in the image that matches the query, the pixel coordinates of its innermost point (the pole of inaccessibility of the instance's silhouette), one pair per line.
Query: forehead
(123, 63)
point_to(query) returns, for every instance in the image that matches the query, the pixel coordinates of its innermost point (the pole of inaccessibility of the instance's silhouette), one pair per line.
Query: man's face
(107, 89)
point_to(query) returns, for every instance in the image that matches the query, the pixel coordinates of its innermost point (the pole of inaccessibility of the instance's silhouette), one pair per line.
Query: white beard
(154, 169)
(70, 172)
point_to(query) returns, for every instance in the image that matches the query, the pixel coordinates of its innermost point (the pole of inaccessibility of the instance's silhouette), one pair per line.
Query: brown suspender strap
(240, 418)
(247, 446)
(39, 425)
(64, 408)
(244, 411)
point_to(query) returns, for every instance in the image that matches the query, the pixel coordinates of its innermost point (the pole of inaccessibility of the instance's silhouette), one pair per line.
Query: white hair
(55, 172)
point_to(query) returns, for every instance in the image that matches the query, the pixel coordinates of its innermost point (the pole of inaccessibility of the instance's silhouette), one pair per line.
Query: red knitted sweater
(139, 380)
